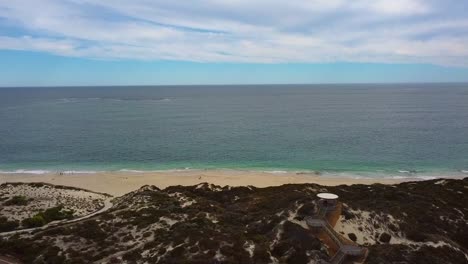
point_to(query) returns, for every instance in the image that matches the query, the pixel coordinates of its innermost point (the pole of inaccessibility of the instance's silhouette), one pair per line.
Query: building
(327, 201)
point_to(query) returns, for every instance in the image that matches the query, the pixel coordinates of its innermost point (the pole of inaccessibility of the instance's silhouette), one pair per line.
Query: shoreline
(122, 182)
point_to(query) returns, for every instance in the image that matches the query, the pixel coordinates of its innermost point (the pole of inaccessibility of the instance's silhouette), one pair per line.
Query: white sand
(43, 197)
(119, 183)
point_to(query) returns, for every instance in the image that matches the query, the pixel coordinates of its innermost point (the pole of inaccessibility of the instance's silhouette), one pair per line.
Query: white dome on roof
(327, 196)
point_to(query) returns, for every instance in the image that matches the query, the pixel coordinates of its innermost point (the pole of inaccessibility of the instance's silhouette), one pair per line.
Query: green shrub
(52, 255)
(385, 238)
(6, 225)
(131, 256)
(17, 200)
(49, 215)
(416, 235)
(35, 221)
(56, 213)
(261, 254)
(352, 236)
(91, 230)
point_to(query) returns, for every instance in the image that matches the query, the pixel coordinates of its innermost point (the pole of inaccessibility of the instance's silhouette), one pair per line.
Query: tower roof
(327, 196)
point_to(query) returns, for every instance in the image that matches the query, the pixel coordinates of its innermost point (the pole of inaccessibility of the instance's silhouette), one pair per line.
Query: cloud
(57, 46)
(395, 7)
(262, 31)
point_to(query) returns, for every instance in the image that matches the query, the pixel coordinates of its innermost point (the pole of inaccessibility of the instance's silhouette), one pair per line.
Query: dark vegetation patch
(406, 254)
(352, 236)
(47, 216)
(6, 225)
(17, 200)
(385, 238)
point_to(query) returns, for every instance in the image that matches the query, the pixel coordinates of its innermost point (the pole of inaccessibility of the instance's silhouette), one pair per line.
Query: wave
(41, 172)
(134, 171)
(85, 99)
(78, 172)
(418, 177)
(161, 170)
(277, 172)
(408, 171)
(21, 171)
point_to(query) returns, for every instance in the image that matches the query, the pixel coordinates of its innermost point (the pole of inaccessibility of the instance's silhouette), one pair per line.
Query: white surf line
(107, 206)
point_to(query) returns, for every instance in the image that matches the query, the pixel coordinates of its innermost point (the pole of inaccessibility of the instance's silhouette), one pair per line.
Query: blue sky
(108, 42)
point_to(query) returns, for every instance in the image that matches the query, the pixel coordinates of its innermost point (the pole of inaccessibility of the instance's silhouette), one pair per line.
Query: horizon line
(226, 84)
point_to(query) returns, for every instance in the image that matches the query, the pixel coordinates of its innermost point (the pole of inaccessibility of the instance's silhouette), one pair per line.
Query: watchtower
(327, 201)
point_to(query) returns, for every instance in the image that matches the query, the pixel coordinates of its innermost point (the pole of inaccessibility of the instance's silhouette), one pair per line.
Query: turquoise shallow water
(370, 130)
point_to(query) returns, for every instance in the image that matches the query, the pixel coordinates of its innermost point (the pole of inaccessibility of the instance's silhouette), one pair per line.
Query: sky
(151, 42)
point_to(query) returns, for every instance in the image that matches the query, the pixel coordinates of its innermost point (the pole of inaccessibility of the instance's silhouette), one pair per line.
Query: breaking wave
(111, 99)
(41, 172)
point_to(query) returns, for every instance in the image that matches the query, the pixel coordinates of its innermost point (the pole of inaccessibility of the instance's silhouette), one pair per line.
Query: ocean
(357, 130)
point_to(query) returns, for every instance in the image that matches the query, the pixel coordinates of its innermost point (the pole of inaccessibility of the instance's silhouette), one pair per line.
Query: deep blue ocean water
(393, 129)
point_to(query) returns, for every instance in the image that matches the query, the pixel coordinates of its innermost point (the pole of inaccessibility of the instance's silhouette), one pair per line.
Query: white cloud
(395, 7)
(239, 30)
(62, 47)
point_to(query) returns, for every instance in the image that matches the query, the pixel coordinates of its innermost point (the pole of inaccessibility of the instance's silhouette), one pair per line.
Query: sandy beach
(119, 183)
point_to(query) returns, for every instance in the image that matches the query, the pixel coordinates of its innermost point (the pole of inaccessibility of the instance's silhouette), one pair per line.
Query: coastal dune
(208, 224)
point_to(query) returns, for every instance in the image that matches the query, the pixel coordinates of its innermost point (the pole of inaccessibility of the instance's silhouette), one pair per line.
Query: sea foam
(77, 172)
(41, 172)
(21, 171)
